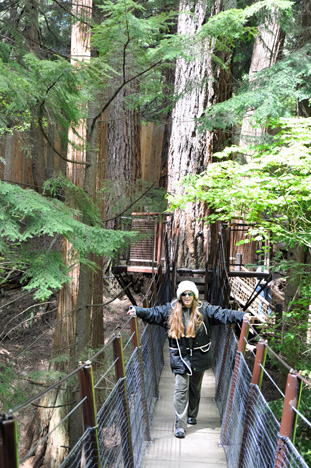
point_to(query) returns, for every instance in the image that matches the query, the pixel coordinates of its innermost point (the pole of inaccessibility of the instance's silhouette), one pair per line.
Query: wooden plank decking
(200, 448)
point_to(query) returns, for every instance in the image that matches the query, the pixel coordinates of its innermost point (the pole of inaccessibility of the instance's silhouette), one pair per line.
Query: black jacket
(189, 355)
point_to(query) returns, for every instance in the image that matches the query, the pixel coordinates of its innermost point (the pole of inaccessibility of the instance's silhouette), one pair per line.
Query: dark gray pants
(187, 396)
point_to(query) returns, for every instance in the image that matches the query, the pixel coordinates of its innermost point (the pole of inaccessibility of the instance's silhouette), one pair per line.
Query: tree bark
(190, 152)
(266, 51)
(68, 340)
(123, 162)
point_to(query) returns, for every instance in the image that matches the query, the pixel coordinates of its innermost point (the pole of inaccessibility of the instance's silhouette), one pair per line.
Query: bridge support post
(136, 344)
(289, 417)
(8, 441)
(89, 409)
(126, 433)
(240, 351)
(259, 363)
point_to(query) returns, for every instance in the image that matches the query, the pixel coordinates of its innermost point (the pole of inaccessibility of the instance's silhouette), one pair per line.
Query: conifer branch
(41, 107)
(69, 12)
(128, 207)
(125, 82)
(51, 406)
(55, 150)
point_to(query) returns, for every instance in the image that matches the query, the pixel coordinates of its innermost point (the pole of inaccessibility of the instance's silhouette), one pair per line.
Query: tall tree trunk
(123, 162)
(190, 152)
(36, 142)
(266, 51)
(97, 319)
(66, 340)
(168, 86)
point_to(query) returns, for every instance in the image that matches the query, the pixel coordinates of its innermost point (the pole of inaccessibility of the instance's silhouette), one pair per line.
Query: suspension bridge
(126, 389)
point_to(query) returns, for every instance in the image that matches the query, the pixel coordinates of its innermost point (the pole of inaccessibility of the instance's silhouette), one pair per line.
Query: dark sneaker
(191, 421)
(179, 432)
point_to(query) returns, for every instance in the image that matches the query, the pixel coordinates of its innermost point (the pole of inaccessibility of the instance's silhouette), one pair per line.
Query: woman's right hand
(132, 311)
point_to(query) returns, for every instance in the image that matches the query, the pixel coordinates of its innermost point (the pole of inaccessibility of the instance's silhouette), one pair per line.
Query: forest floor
(26, 343)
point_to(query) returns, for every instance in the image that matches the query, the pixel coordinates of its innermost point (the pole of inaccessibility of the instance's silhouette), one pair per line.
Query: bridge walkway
(200, 448)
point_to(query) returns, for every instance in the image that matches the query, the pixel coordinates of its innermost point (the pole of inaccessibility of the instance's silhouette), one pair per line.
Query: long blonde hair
(177, 329)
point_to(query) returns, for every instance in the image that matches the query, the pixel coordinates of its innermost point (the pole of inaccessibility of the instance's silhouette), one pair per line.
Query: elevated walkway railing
(119, 433)
(123, 422)
(250, 433)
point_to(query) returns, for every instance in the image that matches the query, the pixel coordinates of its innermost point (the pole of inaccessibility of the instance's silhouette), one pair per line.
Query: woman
(187, 323)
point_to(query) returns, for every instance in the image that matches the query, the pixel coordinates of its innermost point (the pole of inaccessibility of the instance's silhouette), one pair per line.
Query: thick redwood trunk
(123, 161)
(68, 338)
(190, 152)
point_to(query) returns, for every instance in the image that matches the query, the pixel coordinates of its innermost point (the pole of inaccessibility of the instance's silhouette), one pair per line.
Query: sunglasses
(191, 294)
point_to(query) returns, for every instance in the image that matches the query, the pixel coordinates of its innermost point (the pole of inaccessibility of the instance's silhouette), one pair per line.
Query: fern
(27, 217)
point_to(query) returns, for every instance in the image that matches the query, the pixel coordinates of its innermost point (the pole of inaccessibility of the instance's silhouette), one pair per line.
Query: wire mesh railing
(123, 421)
(250, 432)
(119, 434)
(224, 346)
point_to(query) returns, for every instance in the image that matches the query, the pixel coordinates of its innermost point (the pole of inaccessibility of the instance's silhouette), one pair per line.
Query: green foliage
(12, 390)
(271, 191)
(38, 90)
(270, 93)
(272, 194)
(233, 25)
(26, 217)
(139, 197)
(273, 93)
(137, 46)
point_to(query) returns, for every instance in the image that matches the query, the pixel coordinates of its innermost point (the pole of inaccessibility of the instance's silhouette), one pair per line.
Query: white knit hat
(187, 286)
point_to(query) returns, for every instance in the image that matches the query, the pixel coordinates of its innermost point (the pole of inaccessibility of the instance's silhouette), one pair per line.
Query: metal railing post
(136, 344)
(260, 360)
(89, 409)
(8, 441)
(243, 336)
(159, 244)
(240, 350)
(259, 363)
(289, 417)
(125, 428)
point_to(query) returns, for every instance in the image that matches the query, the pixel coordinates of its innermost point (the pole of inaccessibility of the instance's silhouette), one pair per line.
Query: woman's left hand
(132, 311)
(248, 317)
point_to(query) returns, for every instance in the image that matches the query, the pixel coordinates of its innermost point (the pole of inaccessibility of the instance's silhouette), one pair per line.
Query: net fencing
(122, 433)
(288, 456)
(260, 432)
(249, 429)
(234, 415)
(152, 342)
(84, 453)
(224, 346)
